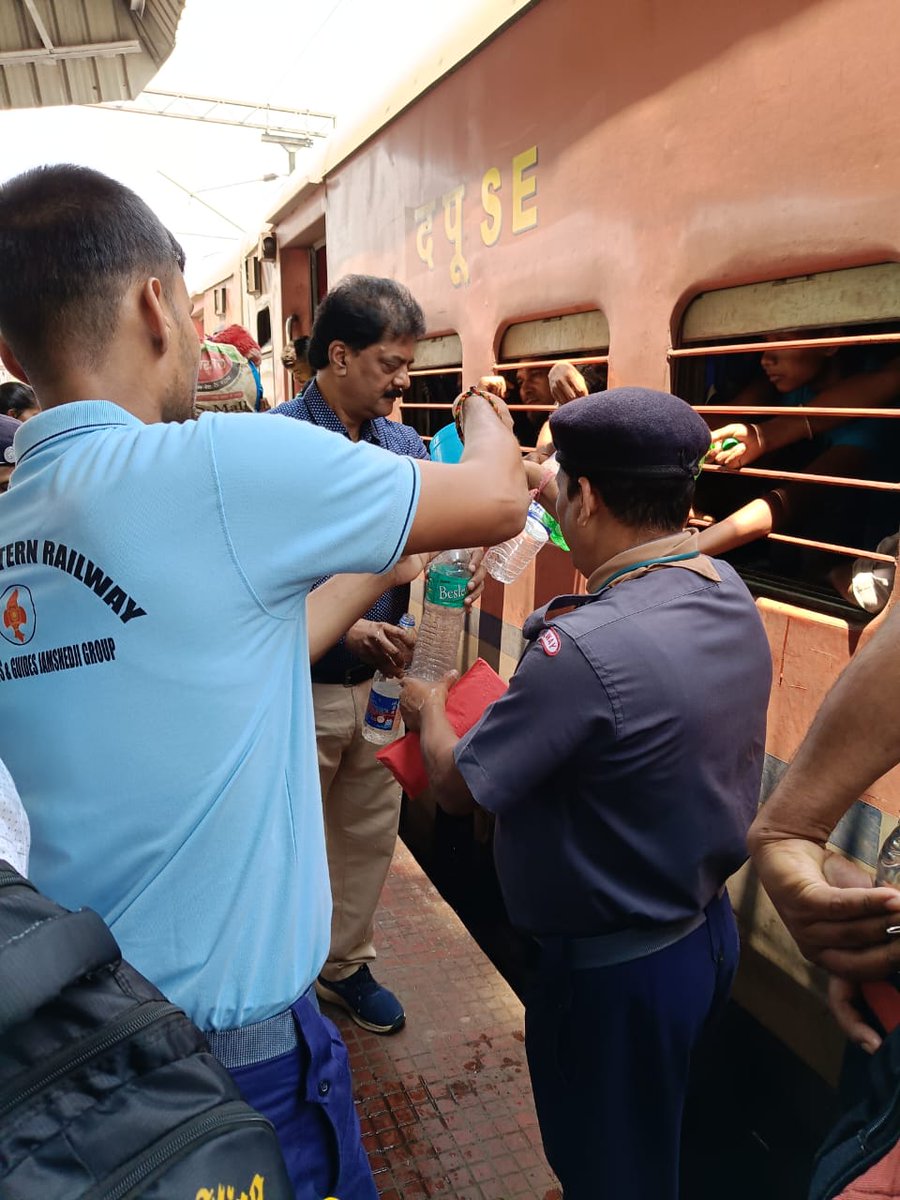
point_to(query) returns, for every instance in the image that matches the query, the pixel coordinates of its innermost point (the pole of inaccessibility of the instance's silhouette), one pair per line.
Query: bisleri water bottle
(437, 646)
(381, 724)
(507, 561)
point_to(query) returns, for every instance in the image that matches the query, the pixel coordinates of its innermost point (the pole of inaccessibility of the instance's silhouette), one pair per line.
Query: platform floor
(445, 1104)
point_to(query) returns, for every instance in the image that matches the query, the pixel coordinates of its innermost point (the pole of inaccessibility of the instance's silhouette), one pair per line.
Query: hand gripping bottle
(507, 561)
(437, 646)
(382, 720)
(887, 872)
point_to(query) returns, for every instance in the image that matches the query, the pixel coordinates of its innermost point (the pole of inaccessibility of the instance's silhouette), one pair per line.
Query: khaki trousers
(361, 804)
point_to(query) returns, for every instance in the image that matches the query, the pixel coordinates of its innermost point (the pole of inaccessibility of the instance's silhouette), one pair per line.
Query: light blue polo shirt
(155, 702)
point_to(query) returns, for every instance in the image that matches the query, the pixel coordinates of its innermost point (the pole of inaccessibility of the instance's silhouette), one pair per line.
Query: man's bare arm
(853, 741)
(340, 602)
(483, 499)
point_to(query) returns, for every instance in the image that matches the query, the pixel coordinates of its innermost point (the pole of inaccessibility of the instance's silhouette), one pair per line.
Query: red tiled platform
(445, 1104)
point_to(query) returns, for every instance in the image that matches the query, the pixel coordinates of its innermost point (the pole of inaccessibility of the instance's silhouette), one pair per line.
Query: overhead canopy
(82, 51)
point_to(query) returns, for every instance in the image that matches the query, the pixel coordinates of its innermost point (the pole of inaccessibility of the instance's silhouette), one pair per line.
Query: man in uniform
(623, 766)
(361, 347)
(155, 705)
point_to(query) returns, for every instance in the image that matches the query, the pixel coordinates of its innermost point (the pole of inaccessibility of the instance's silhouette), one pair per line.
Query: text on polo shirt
(79, 566)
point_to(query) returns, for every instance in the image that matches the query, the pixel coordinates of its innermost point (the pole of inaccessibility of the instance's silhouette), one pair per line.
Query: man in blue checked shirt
(361, 347)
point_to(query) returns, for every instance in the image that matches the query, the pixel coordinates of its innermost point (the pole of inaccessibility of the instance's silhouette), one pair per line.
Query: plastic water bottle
(382, 720)
(437, 645)
(507, 561)
(552, 526)
(887, 872)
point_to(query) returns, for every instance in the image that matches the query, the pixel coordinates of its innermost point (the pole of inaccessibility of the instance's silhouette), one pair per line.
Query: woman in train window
(827, 377)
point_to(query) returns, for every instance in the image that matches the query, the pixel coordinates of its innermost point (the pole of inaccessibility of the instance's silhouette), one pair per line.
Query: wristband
(460, 401)
(545, 479)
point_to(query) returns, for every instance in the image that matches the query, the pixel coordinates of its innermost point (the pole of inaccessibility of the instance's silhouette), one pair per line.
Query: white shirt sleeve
(15, 832)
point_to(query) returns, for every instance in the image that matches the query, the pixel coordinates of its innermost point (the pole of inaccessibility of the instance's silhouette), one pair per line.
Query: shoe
(368, 1003)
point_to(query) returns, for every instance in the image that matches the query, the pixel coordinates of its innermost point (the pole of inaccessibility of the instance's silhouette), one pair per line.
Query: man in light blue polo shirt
(155, 703)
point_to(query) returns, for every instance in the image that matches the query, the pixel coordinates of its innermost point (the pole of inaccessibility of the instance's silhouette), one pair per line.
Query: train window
(529, 349)
(264, 326)
(435, 382)
(804, 375)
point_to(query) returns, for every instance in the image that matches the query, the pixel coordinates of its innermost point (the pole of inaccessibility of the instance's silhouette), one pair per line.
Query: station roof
(82, 51)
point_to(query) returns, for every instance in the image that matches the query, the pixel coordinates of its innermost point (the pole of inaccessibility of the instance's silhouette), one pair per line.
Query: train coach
(661, 191)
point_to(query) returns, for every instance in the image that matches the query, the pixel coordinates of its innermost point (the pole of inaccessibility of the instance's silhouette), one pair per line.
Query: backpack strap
(49, 955)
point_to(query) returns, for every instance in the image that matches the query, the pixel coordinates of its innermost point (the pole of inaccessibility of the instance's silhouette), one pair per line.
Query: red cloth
(237, 336)
(466, 701)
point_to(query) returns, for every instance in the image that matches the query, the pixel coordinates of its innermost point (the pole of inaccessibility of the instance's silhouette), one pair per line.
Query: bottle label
(381, 711)
(447, 592)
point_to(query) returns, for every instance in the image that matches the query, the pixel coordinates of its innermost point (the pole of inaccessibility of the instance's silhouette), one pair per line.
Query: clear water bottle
(507, 561)
(382, 720)
(887, 872)
(552, 526)
(437, 646)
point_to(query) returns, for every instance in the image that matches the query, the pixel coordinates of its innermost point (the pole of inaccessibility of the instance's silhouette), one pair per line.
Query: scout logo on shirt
(549, 641)
(17, 607)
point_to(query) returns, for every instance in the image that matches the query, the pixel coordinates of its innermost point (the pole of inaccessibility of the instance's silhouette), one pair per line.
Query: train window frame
(855, 307)
(581, 337)
(437, 365)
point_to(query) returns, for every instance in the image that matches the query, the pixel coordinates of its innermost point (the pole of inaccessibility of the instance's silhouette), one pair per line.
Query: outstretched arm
(853, 741)
(483, 499)
(339, 603)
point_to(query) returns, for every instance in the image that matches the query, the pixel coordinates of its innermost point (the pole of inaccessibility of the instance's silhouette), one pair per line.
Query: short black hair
(661, 505)
(17, 396)
(71, 241)
(361, 310)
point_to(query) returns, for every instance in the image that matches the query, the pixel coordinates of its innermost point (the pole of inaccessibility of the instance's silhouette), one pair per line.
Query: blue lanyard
(647, 562)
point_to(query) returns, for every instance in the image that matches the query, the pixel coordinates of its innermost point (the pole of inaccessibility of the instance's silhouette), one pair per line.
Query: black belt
(348, 677)
(611, 949)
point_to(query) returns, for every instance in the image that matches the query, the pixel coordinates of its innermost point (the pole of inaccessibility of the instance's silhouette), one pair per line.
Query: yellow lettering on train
(523, 189)
(459, 268)
(228, 1191)
(490, 202)
(520, 198)
(424, 217)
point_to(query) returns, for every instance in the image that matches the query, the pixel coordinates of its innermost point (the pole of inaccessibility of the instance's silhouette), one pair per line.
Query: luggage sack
(108, 1091)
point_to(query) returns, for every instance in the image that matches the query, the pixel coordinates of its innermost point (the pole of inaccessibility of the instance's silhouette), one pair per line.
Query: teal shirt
(155, 702)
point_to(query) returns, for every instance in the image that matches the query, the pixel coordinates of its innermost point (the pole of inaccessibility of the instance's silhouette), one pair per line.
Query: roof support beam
(17, 58)
(39, 24)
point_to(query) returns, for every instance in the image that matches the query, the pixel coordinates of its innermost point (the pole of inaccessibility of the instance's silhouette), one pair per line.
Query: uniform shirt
(312, 406)
(155, 704)
(624, 762)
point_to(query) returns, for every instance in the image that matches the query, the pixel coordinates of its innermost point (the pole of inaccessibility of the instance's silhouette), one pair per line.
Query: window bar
(862, 339)
(874, 485)
(586, 359)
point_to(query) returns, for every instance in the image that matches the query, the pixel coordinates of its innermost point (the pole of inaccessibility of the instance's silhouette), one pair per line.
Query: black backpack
(107, 1091)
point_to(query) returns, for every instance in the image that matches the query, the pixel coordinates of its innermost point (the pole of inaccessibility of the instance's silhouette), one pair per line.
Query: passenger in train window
(838, 446)
(622, 795)
(553, 385)
(154, 618)
(529, 385)
(361, 347)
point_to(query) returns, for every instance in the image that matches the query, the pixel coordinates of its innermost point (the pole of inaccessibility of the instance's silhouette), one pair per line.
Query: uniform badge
(550, 642)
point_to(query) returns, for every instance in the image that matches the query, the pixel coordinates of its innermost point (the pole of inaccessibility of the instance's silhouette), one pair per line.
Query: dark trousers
(609, 1051)
(308, 1097)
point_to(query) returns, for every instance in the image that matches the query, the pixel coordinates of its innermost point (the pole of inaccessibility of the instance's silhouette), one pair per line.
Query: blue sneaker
(368, 1003)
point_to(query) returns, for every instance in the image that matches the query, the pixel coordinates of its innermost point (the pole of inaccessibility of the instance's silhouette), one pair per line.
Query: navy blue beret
(629, 431)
